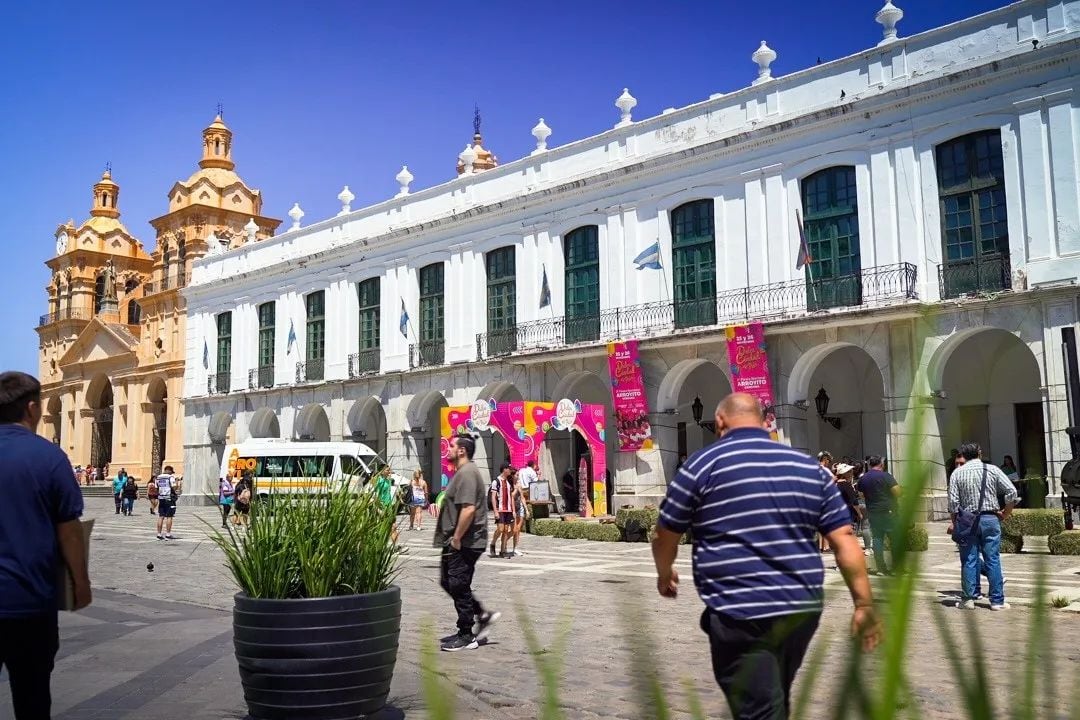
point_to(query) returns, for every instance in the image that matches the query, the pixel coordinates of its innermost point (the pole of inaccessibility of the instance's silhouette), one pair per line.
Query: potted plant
(317, 618)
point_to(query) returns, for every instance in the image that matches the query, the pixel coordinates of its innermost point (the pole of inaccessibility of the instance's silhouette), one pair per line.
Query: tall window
(974, 221)
(58, 298)
(224, 351)
(501, 301)
(315, 352)
(367, 293)
(99, 292)
(431, 315)
(267, 320)
(134, 313)
(166, 261)
(831, 226)
(181, 261)
(693, 249)
(581, 253)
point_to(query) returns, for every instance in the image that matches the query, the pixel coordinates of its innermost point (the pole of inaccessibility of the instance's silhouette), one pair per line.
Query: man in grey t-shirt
(462, 534)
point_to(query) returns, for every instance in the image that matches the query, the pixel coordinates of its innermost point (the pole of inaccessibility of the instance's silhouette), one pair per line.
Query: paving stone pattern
(158, 644)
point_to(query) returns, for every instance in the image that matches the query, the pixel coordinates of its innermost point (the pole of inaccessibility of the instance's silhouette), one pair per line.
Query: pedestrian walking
(825, 460)
(39, 531)
(752, 505)
(519, 514)
(461, 533)
(880, 490)
(526, 477)
(118, 489)
(502, 503)
(152, 495)
(225, 499)
(243, 492)
(130, 493)
(168, 493)
(384, 490)
(976, 520)
(418, 500)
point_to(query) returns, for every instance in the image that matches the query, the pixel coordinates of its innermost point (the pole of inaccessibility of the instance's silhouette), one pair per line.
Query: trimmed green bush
(603, 532)
(1011, 543)
(637, 525)
(918, 540)
(1066, 542)
(545, 526)
(1034, 522)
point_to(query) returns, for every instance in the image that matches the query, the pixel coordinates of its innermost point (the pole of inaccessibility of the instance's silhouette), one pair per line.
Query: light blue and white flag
(649, 259)
(205, 355)
(403, 325)
(292, 338)
(545, 290)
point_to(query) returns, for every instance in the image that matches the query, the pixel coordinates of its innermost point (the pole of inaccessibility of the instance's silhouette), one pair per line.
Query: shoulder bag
(966, 521)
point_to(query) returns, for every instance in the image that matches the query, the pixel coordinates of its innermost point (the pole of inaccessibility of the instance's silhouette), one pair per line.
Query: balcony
(261, 377)
(427, 353)
(311, 370)
(985, 274)
(69, 314)
(872, 287)
(218, 384)
(167, 283)
(365, 362)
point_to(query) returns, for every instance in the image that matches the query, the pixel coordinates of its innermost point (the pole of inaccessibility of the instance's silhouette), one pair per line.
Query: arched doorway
(99, 396)
(54, 418)
(423, 418)
(367, 424)
(312, 424)
(687, 383)
(991, 384)
(492, 451)
(562, 451)
(219, 431)
(853, 424)
(264, 424)
(156, 396)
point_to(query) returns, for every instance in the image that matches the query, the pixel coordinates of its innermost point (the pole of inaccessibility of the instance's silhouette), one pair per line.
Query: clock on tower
(61, 243)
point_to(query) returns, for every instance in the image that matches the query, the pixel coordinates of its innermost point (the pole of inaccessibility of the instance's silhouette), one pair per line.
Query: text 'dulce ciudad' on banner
(628, 396)
(750, 367)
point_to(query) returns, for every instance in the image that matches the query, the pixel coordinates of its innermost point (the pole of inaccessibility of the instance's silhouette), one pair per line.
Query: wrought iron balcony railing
(365, 362)
(218, 383)
(871, 287)
(310, 370)
(974, 276)
(169, 282)
(68, 314)
(427, 353)
(261, 377)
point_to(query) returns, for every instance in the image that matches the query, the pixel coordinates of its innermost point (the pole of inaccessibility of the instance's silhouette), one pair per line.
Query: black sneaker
(460, 641)
(482, 626)
(491, 550)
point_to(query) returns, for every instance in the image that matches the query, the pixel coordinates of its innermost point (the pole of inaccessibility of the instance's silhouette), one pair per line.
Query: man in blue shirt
(752, 506)
(39, 529)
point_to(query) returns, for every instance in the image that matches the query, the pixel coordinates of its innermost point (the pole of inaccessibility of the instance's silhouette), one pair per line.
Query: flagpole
(804, 250)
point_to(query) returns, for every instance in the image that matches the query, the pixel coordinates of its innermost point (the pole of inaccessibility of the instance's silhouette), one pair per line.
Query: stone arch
(157, 422)
(687, 380)
(492, 450)
(312, 423)
(54, 412)
(855, 423)
(218, 428)
(420, 407)
(500, 390)
(264, 424)
(99, 393)
(367, 423)
(156, 390)
(561, 449)
(423, 416)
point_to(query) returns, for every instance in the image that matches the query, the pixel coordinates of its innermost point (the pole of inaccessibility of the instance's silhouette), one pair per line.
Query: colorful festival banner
(628, 396)
(750, 367)
(523, 425)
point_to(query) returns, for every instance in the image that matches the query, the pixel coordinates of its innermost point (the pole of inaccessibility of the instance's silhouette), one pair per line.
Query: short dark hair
(531, 463)
(17, 391)
(970, 451)
(874, 461)
(505, 466)
(467, 442)
(169, 469)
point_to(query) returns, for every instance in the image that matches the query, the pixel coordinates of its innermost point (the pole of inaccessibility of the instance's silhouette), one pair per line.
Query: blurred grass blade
(437, 693)
(651, 702)
(549, 662)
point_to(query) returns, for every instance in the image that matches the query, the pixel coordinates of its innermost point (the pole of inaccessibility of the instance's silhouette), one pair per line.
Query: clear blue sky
(325, 93)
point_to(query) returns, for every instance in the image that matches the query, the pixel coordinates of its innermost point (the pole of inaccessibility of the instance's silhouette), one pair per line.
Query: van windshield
(360, 467)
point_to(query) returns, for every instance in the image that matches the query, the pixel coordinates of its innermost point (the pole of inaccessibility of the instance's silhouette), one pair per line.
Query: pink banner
(750, 367)
(628, 396)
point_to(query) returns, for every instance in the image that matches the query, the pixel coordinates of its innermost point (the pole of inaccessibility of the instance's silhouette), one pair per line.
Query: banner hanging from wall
(749, 363)
(628, 396)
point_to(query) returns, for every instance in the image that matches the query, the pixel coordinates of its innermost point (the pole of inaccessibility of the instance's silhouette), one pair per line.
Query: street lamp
(697, 408)
(821, 402)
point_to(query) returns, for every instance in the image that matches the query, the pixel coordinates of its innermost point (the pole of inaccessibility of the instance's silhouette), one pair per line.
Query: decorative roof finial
(887, 17)
(541, 132)
(403, 178)
(764, 57)
(251, 228)
(345, 197)
(626, 102)
(467, 158)
(296, 214)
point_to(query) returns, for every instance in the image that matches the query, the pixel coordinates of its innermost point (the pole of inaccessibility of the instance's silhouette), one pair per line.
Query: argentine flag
(292, 338)
(649, 257)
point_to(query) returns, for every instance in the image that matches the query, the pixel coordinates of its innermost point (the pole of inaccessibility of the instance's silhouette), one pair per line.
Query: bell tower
(106, 195)
(217, 146)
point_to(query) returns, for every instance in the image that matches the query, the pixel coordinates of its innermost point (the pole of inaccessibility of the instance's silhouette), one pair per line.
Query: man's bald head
(739, 410)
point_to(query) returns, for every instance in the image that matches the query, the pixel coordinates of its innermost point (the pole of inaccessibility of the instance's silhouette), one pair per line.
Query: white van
(285, 466)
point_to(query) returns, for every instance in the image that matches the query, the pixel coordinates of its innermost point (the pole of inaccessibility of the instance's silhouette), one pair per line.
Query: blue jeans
(881, 524)
(128, 505)
(985, 542)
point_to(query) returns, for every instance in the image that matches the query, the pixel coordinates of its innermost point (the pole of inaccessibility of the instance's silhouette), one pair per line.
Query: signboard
(628, 396)
(750, 367)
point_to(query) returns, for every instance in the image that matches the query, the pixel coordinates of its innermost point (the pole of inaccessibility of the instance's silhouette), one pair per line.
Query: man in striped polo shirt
(753, 506)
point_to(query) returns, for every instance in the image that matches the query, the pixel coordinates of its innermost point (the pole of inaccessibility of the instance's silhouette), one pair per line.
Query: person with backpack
(225, 498)
(168, 488)
(118, 488)
(242, 499)
(152, 495)
(130, 494)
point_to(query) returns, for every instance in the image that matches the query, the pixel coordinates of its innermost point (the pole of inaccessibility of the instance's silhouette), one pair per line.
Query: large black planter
(318, 659)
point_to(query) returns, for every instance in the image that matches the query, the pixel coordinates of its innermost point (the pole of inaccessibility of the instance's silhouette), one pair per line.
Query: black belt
(989, 512)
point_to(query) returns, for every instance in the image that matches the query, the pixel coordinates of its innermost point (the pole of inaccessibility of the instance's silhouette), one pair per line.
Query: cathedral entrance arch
(54, 419)
(100, 399)
(157, 396)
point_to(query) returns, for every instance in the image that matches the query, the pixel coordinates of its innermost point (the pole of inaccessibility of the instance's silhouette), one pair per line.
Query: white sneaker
(966, 604)
(1002, 606)
(160, 536)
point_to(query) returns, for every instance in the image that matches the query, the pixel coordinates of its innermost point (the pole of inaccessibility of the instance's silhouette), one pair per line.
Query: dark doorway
(1030, 440)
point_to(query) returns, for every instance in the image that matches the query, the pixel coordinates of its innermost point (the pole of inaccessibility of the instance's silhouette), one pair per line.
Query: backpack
(244, 495)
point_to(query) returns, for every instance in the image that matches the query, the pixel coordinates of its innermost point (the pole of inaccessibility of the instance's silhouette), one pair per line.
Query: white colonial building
(936, 176)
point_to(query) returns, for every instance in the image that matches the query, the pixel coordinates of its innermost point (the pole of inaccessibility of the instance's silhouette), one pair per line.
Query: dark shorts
(166, 508)
(504, 518)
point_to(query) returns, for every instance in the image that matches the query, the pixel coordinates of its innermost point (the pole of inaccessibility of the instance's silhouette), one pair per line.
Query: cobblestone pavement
(158, 644)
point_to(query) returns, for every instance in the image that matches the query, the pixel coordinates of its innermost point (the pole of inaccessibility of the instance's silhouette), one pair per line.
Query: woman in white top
(418, 500)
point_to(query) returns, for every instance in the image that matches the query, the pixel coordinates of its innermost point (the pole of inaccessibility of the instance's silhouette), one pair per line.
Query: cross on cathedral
(220, 110)
(108, 167)
(476, 119)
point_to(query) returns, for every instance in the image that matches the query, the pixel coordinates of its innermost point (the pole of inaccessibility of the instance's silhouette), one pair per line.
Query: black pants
(116, 497)
(455, 577)
(225, 509)
(755, 661)
(28, 647)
